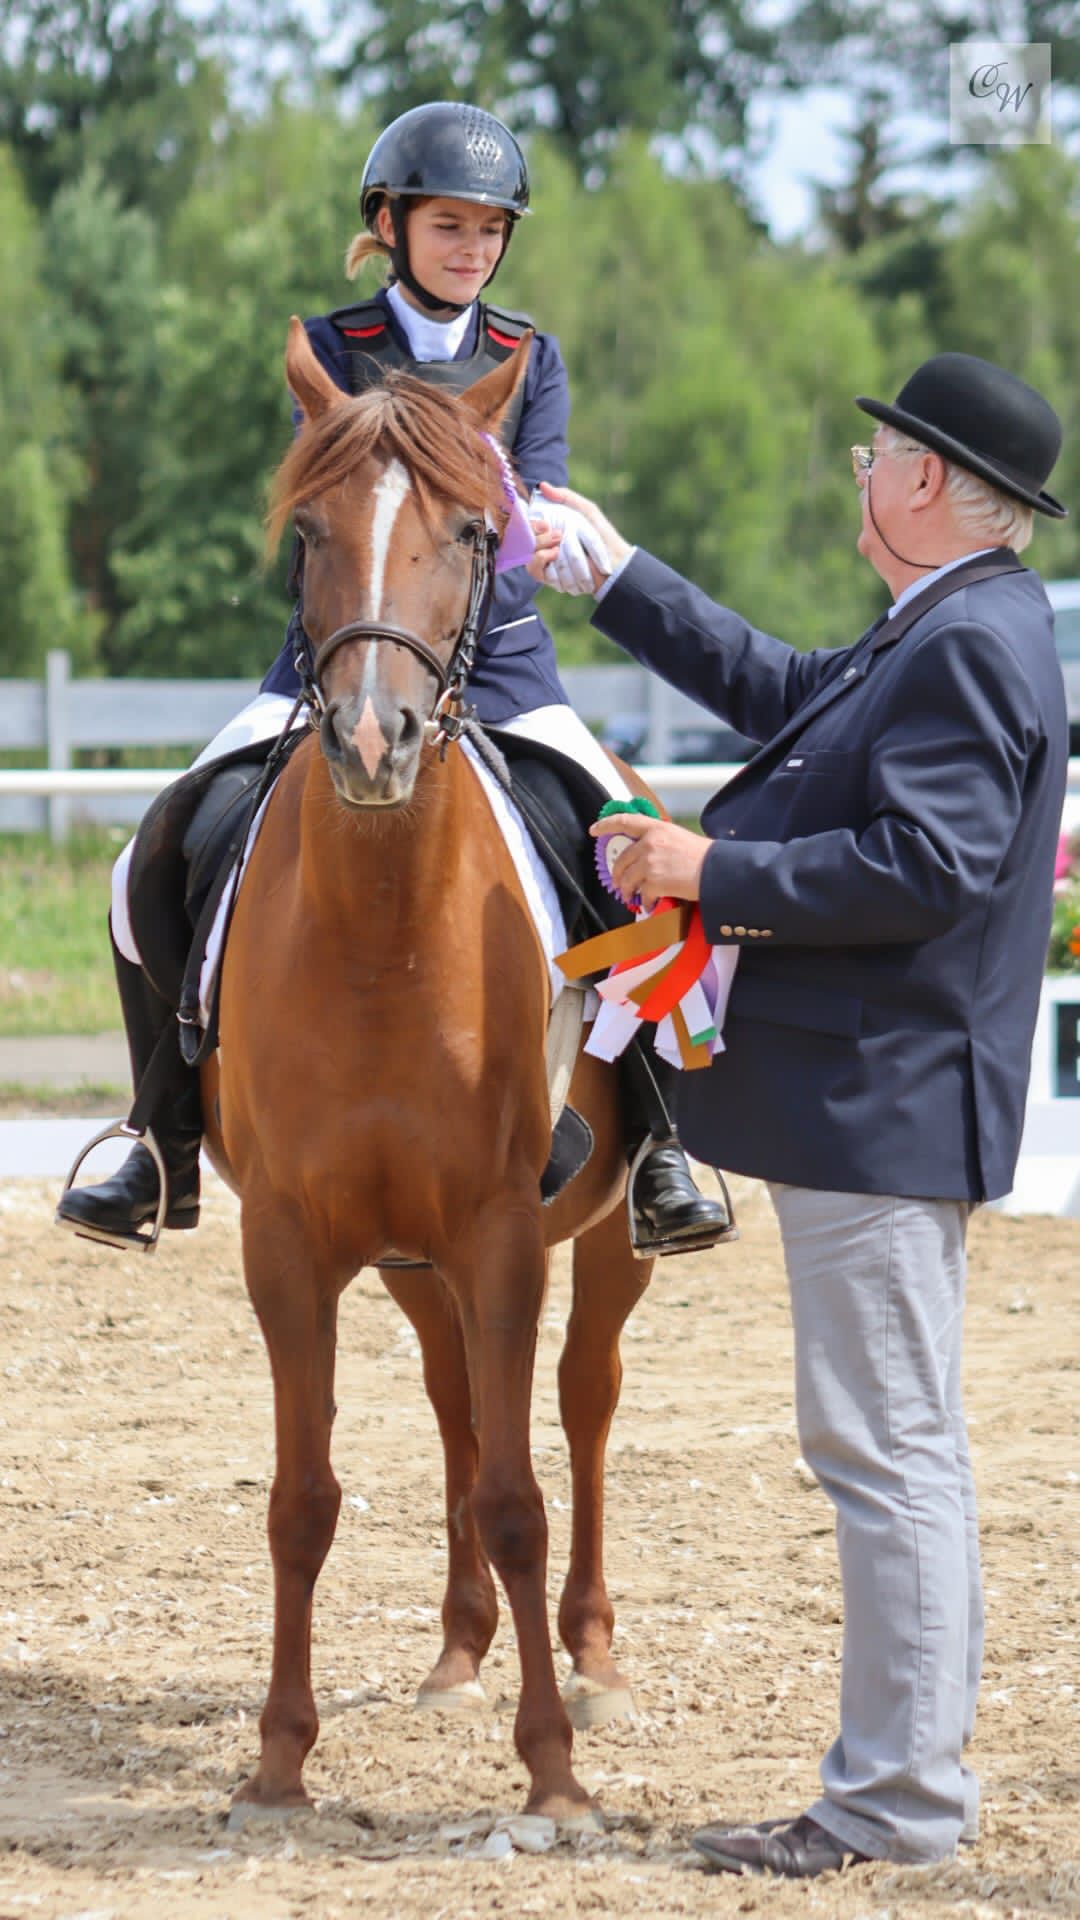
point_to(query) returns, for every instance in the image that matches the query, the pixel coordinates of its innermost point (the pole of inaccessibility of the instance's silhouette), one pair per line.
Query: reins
(442, 726)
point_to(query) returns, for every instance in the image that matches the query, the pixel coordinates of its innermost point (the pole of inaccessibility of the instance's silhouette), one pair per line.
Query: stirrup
(649, 1248)
(121, 1130)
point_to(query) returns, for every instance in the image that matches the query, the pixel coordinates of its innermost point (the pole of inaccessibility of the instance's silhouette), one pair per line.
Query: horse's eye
(471, 532)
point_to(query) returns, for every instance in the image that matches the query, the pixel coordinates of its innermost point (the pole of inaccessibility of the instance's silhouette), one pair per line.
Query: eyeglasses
(862, 458)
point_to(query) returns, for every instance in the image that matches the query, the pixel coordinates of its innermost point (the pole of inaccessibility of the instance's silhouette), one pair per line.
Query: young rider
(442, 191)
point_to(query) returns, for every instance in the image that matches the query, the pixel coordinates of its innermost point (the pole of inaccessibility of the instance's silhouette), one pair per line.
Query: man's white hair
(978, 507)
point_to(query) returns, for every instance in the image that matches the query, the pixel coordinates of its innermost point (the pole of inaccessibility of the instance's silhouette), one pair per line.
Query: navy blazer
(885, 863)
(515, 667)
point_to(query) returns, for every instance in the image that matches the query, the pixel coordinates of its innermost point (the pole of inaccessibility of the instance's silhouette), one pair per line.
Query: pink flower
(1063, 861)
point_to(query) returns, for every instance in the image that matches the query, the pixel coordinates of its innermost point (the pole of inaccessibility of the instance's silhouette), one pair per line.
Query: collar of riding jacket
(938, 574)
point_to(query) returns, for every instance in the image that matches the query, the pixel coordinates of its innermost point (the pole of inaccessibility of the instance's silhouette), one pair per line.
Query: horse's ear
(489, 398)
(308, 380)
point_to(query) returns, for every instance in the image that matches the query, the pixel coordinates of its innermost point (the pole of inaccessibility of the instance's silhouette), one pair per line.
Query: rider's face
(454, 246)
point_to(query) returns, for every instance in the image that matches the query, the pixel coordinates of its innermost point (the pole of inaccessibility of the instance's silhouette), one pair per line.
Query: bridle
(442, 726)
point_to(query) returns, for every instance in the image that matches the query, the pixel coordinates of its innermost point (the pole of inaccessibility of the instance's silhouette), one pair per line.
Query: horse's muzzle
(372, 750)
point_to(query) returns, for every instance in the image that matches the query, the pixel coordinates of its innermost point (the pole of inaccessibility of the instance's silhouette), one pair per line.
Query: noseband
(441, 727)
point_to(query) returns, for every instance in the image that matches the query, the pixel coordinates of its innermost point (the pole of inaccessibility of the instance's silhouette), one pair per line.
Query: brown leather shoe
(799, 1849)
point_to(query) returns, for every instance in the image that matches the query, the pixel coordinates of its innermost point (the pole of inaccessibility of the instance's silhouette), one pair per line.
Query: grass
(56, 972)
(19, 1100)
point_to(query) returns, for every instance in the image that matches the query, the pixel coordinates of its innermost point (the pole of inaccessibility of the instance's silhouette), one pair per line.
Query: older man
(885, 865)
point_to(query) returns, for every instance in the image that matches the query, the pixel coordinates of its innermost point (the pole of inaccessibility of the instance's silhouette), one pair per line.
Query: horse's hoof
(250, 1813)
(530, 1832)
(468, 1697)
(589, 1704)
(581, 1820)
(570, 1816)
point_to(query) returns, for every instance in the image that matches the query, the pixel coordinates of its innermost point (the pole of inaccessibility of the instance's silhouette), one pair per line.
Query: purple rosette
(518, 543)
(609, 847)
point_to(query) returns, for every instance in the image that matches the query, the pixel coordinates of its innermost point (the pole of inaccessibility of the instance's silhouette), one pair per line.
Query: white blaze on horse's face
(369, 739)
(391, 489)
(389, 492)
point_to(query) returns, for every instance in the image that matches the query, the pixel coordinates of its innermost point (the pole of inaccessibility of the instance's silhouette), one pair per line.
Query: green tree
(138, 88)
(38, 473)
(1013, 275)
(262, 237)
(740, 463)
(103, 273)
(40, 606)
(904, 50)
(588, 70)
(127, 88)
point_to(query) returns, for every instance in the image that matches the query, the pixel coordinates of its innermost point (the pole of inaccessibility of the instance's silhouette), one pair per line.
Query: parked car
(1064, 597)
(627, 735)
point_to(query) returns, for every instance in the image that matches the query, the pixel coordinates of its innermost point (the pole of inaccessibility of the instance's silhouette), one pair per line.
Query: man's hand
(582, 571)
(665, 859)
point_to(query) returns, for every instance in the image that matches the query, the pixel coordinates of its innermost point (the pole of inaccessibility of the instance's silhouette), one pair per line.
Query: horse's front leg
(608, 1283)
(470, 1608)
(297, 1310)
(498, 1275)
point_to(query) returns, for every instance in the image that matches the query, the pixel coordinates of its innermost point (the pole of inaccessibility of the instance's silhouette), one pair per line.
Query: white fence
(60, 716)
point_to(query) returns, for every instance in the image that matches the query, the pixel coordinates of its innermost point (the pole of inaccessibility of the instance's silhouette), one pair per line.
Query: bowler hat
(982, 418)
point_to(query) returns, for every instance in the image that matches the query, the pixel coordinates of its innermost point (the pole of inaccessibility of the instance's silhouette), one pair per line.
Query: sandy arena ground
(135, 1460)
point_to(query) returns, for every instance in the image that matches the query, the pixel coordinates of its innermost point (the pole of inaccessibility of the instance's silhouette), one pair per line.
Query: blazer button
(740, 930)
(726, 931)
(731, 833)
(766, 933)
(754, 932)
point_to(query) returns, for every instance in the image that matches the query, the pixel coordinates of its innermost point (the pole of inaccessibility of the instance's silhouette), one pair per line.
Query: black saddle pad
(190, 831)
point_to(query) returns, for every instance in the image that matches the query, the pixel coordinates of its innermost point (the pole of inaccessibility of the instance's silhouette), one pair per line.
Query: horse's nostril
(329, 737)
(411, 729)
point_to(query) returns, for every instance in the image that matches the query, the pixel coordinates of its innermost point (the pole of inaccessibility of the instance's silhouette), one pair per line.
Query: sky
(803, 141)
(804, 144)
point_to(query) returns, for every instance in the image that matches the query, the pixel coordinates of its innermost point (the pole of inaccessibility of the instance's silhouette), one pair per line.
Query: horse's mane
(436, 440)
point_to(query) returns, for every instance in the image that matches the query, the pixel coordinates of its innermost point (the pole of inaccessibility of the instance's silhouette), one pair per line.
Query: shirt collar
(917, 586)
(429, 339)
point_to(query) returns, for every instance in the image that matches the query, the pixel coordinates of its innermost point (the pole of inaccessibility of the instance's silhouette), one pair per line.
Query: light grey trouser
(877, 1299)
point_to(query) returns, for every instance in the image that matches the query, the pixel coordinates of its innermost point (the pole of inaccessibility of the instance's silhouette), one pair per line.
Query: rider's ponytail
(362, 247)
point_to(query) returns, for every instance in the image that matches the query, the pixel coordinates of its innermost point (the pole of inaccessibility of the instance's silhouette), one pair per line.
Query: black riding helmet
(446, 150)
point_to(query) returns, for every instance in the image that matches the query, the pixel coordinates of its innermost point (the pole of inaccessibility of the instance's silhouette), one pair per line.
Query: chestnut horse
(381, 1085)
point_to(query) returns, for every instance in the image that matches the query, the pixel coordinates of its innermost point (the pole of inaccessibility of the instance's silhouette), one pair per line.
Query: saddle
(191, 839)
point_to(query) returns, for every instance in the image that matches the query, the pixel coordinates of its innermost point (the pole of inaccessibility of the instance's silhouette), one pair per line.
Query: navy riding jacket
(515, 667)
(885, 865)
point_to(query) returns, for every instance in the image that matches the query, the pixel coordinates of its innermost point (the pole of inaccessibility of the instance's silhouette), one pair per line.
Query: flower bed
(1064, 952)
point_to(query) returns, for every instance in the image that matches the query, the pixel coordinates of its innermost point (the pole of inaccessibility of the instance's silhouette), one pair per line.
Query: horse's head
(397, 499)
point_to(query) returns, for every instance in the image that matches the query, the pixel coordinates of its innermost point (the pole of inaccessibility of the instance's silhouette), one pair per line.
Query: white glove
(570, 570)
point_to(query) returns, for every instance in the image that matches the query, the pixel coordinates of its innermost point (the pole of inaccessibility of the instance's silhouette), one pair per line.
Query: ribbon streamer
(662, 970)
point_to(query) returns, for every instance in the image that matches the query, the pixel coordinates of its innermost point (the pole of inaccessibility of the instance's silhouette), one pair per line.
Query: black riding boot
(669, 1213)
(116, 1209)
